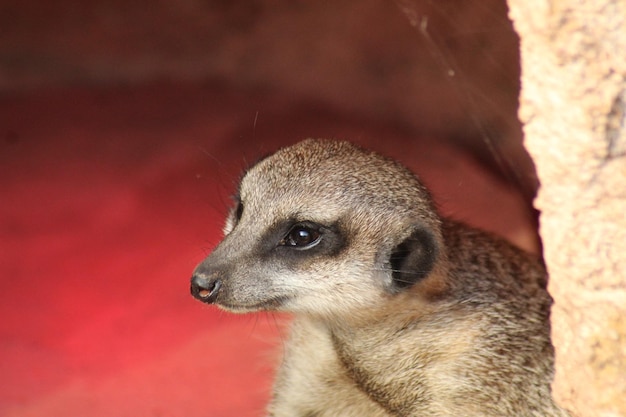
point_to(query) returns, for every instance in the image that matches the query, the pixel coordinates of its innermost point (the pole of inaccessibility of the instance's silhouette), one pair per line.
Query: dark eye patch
(293, 241)
(302, 236)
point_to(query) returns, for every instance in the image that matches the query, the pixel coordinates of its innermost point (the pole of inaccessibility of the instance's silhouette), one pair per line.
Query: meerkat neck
(390, 318)
(366, 349)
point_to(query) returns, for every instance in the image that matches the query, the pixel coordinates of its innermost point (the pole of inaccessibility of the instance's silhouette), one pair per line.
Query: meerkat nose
(205, 289)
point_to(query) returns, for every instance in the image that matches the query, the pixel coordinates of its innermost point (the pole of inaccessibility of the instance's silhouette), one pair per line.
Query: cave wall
(573, 105)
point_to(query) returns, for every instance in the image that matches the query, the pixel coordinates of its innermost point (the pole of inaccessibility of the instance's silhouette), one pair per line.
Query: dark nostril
(205, 289)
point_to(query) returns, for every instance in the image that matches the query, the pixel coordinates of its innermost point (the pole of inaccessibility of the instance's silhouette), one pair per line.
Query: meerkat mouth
(271, 304)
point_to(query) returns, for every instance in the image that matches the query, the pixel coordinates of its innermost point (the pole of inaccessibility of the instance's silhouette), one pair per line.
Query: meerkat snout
(205, 288)
(398, 311)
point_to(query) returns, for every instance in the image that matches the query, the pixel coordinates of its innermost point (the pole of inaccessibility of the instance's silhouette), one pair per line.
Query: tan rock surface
(573, 104)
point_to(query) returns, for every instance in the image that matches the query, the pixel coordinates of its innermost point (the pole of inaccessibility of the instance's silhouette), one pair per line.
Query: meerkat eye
(301, 236)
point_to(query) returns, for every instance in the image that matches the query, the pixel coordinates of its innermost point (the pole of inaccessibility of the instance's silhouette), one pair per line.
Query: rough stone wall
(573, 106)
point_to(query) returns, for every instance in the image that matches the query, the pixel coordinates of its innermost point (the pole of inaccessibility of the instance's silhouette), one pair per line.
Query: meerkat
(398, 311)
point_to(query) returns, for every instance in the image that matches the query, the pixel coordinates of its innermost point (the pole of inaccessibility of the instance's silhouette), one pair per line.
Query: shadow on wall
(446, 68)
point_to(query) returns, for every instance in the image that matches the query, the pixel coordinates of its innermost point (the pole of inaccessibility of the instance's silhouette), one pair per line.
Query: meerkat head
(322, 227)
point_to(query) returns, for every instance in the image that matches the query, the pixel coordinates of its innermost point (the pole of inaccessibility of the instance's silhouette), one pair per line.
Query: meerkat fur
(398, 311)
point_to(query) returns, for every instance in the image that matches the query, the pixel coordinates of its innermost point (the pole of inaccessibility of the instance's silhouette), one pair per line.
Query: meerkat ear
(413, 259)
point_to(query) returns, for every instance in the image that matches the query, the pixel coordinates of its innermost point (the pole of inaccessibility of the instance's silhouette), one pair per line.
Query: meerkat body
(398, 311)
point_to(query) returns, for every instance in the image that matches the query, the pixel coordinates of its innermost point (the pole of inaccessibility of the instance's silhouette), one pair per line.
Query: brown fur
(460, 327)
